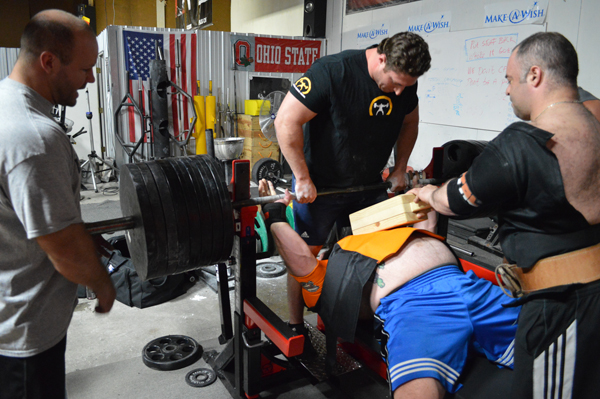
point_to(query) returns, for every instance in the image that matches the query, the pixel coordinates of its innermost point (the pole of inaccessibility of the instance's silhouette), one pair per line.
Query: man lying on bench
(433, 314)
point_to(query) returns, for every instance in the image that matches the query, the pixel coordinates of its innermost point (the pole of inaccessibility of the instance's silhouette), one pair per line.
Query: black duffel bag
(142, 294)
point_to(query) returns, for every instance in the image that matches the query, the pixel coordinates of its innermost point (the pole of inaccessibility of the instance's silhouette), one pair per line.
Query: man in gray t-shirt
(45, 249)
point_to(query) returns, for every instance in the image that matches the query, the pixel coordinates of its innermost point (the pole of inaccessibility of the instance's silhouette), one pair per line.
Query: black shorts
(41, 376)
(557, 345)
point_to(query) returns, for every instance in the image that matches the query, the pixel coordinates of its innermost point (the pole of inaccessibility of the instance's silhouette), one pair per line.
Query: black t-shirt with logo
(350, 140)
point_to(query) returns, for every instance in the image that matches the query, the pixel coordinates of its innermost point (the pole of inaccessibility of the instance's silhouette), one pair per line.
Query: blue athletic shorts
(434, 321)
(314, 221)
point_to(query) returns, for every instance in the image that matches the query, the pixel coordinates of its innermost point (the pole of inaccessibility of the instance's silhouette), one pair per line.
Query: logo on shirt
(303, 85)
(380, 106)
(310, 286)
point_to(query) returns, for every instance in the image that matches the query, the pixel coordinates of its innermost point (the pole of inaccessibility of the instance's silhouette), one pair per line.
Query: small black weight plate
(141, 240)
(171, 352)
(270, 269)
(214, 209)
(216, 169)
(204, 245)
(181, 212)
(193, 216)
(267, 168)
(167, 212)
(198, 378)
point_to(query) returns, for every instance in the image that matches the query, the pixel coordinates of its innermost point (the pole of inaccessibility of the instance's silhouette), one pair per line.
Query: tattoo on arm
(381, 265)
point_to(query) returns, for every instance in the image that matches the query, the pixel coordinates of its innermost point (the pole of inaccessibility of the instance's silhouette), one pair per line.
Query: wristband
(274, 212)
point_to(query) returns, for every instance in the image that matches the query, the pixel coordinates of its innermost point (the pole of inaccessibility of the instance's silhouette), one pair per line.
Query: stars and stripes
(179, 51)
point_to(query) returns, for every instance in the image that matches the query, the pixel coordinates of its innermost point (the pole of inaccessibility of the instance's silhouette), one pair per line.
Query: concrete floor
(104, 352)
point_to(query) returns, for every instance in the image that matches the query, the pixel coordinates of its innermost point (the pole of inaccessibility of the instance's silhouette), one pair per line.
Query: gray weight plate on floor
(205, 216)
(167, 211)
(171, 352)
(270, 269)
(193, 215)
(216, 169)
(141, 240)
(217, 231)
(198, 378)
(181, 212)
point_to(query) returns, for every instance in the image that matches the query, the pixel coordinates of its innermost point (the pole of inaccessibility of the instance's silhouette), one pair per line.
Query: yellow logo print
(303, 85)
(381, 105)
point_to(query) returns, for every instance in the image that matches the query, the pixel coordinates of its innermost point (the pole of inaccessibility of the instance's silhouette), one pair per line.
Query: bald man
(46, 250)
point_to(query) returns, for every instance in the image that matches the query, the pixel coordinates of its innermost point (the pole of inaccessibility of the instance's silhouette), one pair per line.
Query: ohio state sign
(264, 54)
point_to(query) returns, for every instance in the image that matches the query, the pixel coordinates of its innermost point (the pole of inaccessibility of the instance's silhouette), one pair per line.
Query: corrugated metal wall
(8, 58)
(214, 63)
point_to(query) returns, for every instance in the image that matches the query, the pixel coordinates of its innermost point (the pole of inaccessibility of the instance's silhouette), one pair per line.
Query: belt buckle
(508, 281)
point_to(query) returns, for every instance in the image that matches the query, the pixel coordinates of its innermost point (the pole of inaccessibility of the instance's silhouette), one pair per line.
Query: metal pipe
(110, 225)
(125, 223)
(273, 198)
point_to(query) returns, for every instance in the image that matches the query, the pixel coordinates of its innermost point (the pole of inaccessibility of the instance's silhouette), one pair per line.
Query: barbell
(178, 214)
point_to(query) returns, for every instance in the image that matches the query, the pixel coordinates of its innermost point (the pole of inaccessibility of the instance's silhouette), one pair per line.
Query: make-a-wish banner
(430, 23)
(516, 13)
(265, 54)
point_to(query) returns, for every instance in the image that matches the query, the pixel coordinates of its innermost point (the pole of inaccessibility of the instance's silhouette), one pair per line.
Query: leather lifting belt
(577, 267)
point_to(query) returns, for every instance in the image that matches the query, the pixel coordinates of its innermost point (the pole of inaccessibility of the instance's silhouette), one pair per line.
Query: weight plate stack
(192, 201)
(162, 210)
(168, 212)
(181, 213)
(218, 172)
(204, 245)
(171, 352)
(142, 239)
(214, 208)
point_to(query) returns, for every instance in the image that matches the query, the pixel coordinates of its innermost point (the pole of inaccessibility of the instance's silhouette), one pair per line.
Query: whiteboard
(466, 85)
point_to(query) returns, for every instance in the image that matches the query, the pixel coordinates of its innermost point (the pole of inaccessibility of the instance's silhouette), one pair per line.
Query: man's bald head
(53, 31)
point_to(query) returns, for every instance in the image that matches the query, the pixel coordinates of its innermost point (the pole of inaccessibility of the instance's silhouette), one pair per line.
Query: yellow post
(199, 134)
(211, 110)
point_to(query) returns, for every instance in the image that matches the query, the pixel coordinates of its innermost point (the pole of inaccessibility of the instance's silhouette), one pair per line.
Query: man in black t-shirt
(542, 180)
(355, 106)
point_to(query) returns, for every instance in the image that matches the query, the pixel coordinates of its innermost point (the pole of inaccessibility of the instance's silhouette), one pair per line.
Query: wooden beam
(398, 211)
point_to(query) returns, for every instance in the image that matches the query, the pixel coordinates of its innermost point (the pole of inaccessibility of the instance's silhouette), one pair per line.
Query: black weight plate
(167, 211)
(270, 270)
(216, 169)
(198, 378)
(267, 168)
(181, 212)
(171, 352)
(141, 240)
(217, 230)
(193, 208)
(206, 217)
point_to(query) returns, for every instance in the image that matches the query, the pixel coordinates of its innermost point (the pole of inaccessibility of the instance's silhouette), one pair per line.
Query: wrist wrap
(274, 212)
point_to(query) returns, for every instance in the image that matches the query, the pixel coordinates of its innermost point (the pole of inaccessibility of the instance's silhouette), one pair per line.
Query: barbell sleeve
(110, 225)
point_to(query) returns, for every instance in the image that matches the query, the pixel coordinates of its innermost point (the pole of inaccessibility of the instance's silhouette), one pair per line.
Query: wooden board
(394, 212)
(248, 122)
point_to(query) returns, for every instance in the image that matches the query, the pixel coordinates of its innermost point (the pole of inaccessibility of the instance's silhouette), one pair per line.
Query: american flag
(139, 49)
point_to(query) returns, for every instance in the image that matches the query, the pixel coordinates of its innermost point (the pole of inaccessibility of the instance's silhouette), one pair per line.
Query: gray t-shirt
(585, 95)
(39, 195)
